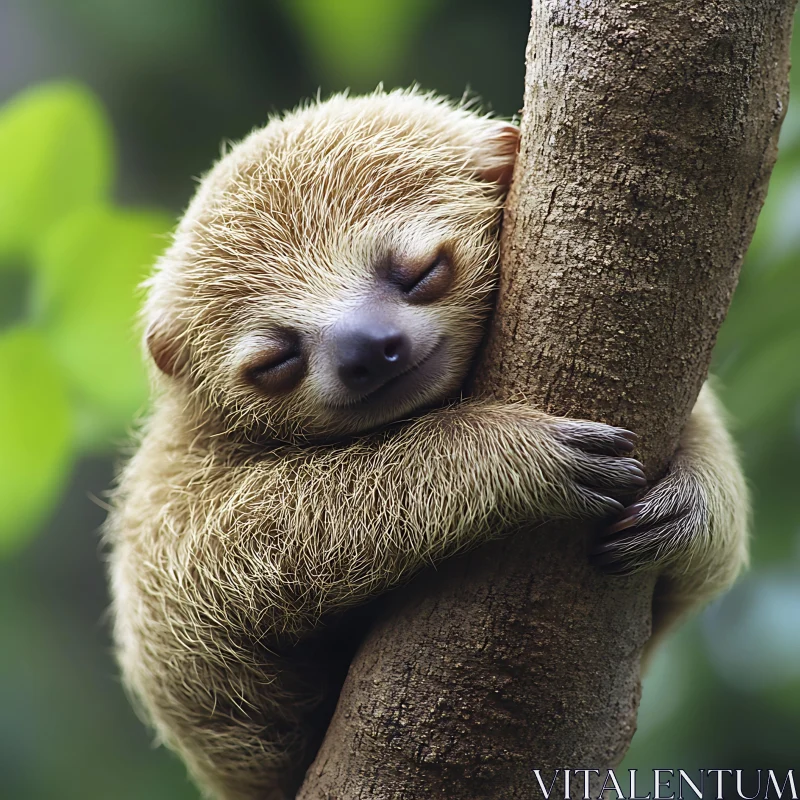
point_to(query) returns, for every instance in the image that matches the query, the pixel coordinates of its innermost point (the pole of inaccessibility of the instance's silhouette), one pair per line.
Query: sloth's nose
(369, 352)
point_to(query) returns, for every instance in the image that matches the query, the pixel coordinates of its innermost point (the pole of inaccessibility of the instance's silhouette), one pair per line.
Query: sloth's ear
(166, 346)
(495, 152)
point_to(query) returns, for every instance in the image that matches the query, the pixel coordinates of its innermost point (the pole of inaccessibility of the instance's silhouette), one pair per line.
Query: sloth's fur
(244, 521)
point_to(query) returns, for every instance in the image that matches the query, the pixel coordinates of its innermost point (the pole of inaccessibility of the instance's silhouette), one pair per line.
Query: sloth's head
(335, 270)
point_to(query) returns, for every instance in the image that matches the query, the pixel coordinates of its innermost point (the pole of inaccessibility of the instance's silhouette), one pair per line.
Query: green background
(109, 109)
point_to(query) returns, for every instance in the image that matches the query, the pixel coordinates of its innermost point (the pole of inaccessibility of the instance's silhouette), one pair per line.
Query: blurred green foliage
(172, 81)
(36, 432)
(360, 37)
(72, 375)
(55, 156)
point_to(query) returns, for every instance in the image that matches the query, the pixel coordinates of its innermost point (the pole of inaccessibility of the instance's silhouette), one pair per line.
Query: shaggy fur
(246, 519)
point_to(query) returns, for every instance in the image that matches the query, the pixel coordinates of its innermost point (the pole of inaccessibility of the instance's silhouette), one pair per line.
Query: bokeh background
(109, 110)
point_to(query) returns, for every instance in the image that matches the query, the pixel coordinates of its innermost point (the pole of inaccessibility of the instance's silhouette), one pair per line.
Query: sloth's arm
(330, 526)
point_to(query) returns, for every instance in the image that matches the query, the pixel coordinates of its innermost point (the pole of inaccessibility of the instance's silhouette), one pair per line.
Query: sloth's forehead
(301, 180)
(313, 209)
(300, 238)
(316, 201)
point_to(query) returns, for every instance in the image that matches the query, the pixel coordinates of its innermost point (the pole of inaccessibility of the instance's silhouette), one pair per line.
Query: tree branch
(648, 136)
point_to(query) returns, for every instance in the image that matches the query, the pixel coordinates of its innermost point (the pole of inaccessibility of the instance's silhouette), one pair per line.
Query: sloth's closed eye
(425, 282)
(276, 367)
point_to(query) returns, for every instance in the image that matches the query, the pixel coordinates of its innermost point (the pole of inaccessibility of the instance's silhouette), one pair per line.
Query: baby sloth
(311, 324)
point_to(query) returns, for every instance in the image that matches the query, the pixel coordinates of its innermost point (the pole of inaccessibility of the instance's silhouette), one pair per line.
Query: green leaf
(361, 37)
(55, 156)
(86, 298)
(36, 432)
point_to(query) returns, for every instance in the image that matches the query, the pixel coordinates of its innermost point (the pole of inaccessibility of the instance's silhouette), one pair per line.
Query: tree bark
(648, 136)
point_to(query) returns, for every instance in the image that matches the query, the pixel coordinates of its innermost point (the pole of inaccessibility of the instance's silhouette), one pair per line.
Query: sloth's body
(321, 303)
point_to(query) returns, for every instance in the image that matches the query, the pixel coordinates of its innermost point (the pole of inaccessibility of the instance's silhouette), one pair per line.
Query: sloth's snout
(370, 351)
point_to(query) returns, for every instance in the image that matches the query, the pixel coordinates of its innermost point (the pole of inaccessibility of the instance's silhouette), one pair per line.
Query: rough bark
(648, 136)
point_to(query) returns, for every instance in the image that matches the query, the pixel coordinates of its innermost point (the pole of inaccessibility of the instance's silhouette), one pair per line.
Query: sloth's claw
(629, 518)
(595, 437)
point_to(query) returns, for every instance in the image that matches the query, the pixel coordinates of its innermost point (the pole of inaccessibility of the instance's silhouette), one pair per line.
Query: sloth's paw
(594, 469)
(671, 520)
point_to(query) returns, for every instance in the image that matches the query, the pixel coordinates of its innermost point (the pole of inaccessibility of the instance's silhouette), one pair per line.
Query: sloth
(310, 328)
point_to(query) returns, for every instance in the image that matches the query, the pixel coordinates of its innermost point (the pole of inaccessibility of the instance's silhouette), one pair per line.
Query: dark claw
(608, 544)
(601, 555)
(638, 474)
(625, 441)
(602, 560)
(629, 519)
(616, 505)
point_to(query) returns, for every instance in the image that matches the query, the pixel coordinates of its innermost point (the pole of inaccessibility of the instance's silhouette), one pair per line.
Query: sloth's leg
(247, 724)
(244, 707)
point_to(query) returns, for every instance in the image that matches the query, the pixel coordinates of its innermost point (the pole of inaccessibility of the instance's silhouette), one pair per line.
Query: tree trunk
(648, 136)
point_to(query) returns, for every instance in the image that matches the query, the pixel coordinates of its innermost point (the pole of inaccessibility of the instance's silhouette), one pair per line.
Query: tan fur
(242, 524)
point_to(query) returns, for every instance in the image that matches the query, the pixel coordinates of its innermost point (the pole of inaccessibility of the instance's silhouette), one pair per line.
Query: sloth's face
(392, 330)
(334, 293)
